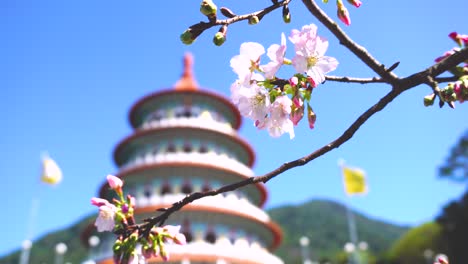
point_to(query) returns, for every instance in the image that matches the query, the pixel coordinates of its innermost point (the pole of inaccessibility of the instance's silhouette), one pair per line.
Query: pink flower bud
(343, 13)
(293, 81)
(461, 40)
(355, 3)
(114, 182)
(297, 110)
(312, 82)
(311, 116)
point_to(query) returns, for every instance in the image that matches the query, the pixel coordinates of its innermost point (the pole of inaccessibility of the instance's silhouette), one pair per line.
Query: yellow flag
(51, 172)
(354, 181)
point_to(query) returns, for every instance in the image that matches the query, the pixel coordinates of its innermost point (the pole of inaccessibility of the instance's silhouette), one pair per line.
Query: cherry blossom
(253, 102)
(276, 53)
(310, 50)
(279, 123)
(248, 60)
(99, 201)
(105, 220)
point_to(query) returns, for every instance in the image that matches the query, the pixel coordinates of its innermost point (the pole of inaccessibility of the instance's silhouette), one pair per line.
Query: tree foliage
(456, 164)
(410, 248)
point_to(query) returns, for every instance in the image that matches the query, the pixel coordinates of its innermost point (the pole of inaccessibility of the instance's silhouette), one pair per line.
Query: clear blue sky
(70, 70)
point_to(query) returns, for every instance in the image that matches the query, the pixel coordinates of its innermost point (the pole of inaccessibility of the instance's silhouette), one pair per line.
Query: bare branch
(347, 79)
(435, 70)
(446, 79)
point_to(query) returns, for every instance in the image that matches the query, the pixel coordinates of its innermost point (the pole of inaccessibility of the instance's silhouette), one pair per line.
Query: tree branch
(202, 26)
(358, 50)
(347, 79)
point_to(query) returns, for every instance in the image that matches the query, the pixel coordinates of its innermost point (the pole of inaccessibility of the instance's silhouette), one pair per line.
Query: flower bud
(311, 116)
(293, 81)
(286, 14)
(343, 13)
(461, 40)
(220, 36)
(117, 247)
(208, 8)
(355, 3)
(227, 12)
(163, 253)
(134, 236)
(253, 20)
(429, 99)
(219, 39)
(297, 110)
(187, 37)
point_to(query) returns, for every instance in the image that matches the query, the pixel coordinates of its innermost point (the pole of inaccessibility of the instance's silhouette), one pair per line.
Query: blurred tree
(454, 217)
(454, 220)
(412, 247)
(456, 165)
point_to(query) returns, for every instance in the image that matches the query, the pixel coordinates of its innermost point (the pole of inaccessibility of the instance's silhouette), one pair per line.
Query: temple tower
(185, 140)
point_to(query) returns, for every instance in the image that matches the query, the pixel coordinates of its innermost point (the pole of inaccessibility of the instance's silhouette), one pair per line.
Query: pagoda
(185, 140)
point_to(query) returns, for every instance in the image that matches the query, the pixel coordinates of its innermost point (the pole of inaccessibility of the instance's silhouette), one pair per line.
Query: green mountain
(323, 222)
(43, 249)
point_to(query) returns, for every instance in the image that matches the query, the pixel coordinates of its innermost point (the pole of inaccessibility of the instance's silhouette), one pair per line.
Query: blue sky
(70, 71)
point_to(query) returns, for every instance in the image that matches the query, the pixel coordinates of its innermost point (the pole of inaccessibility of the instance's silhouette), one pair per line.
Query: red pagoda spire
(187, 81)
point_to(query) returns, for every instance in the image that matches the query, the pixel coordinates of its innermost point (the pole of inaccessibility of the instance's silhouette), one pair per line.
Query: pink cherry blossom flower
(248, 60)
(310, 50)
(105, 220)
(242, 86)
(174, 234)
(253, 102)
(276, 54)
(99, 201)
(278, 122)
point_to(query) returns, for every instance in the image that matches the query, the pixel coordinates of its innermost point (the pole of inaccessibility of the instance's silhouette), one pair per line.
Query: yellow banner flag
(354, 181)
(51, 172)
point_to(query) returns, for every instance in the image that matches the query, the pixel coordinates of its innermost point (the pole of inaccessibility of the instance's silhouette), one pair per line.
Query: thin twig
(202, 26)
(347, 79)
(346, 41)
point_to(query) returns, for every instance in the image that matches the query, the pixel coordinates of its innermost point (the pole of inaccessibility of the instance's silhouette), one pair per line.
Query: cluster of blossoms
(119, 215)
(278, 104)
(458, 90)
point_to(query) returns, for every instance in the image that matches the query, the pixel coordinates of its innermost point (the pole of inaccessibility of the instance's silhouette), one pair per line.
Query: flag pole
(50, 174)
(27, 243)
(353, 236)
